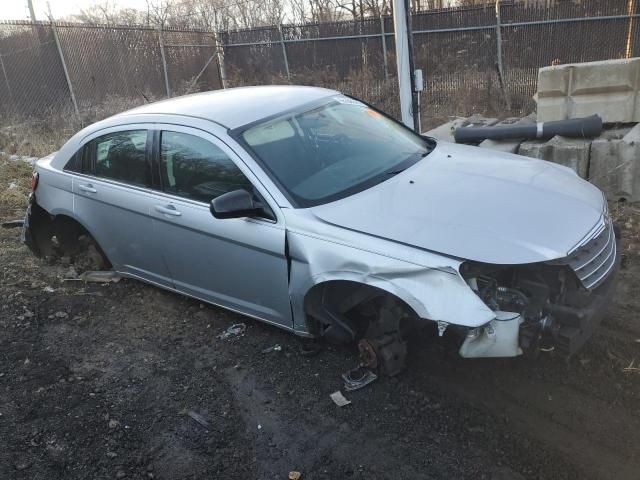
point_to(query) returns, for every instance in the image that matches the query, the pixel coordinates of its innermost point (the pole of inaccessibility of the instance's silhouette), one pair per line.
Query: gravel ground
(128, 381)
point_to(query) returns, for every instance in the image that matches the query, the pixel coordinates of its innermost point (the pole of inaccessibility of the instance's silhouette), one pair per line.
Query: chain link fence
(74, 68)
(474, 60)
(457, 48)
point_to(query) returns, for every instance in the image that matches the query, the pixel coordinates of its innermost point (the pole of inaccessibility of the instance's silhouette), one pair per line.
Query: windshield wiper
(400, 170)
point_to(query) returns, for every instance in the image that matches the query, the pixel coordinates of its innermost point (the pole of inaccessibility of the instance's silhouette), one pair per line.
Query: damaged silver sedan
(315, 212)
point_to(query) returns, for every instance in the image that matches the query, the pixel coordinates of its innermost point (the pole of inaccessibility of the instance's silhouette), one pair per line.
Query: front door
(237, 263)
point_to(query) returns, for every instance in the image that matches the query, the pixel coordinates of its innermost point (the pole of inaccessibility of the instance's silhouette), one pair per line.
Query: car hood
(476, 204)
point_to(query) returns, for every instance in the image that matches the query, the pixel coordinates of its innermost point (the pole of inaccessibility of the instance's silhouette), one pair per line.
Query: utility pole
(404, 60)
(32, 12)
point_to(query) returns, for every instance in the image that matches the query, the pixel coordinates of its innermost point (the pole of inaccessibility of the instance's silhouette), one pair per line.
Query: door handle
(87, 188)
(168, 210)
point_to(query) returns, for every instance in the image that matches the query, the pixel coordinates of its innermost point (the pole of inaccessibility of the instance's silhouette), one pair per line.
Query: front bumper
(577, 318)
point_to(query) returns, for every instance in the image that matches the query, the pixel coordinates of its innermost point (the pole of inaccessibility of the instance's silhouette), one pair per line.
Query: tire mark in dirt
(584, 448)
(280, 445)
(319, 447)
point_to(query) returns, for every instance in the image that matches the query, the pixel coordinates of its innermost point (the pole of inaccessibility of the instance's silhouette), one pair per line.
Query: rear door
(113, 198)
(238, 263)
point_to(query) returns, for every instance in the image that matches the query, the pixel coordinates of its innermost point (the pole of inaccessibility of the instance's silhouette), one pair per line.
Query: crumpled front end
(545, 306)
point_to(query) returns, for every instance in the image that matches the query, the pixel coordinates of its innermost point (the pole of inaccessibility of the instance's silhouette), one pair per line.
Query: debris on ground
(48, 289)
(71, 274)
(275, 348)
(13, 223)
(339, 399)
(293, 475)
(100, 276)
(631, 367)
(198, 418)
(358, 378)
(310, 350)
(235, 330)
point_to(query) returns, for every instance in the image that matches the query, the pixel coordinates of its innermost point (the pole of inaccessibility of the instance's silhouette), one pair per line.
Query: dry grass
(15, 184)
(627, 216)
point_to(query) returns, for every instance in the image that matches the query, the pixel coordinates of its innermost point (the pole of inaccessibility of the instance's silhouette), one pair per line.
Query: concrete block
(445, 131)
(610, 88)
(615, 164)
(508, 146)
(570, 152)
(531, 148)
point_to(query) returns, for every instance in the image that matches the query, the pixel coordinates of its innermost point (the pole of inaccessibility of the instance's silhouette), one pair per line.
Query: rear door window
(194, 168)
(120, 156)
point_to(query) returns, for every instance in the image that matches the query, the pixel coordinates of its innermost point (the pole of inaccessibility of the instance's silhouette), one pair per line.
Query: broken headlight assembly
(539, 307)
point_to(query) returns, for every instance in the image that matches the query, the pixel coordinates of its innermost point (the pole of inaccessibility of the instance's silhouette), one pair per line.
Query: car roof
(235, 107)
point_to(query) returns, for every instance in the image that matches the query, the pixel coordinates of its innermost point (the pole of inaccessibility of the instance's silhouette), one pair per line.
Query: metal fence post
(64, 67)
(384, 48)
(498, 36)
(284, 53)
(628, 53)
(164, 61)
(499, 56)
(6, 80)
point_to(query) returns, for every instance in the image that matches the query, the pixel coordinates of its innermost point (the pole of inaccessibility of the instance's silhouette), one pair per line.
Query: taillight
(34, 181)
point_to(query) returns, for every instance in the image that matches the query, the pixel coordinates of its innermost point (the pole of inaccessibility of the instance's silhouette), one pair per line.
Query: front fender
(434, 292)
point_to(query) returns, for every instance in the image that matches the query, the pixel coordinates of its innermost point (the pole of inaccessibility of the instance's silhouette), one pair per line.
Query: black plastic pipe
(576, 127)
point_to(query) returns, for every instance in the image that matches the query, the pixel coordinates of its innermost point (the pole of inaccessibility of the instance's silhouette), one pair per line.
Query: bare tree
(299, 11)
(108, 13)
(158, 12)
(325, 11)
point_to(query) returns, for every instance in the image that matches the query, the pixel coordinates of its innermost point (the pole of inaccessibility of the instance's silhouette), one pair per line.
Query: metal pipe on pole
(404, 61)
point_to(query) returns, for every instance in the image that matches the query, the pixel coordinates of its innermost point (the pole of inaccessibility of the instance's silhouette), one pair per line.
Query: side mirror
(234, 204)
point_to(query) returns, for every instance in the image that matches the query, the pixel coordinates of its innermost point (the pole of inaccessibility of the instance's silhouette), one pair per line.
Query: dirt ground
(104, 381)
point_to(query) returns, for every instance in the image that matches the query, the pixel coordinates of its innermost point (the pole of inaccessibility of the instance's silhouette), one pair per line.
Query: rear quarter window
(120, 156)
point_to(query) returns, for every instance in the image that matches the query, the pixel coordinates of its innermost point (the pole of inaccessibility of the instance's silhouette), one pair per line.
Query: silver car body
(408, 235)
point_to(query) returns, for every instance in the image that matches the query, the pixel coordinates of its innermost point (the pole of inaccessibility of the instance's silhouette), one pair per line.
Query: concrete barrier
(570, 152)
(615, 164)
(610, 88)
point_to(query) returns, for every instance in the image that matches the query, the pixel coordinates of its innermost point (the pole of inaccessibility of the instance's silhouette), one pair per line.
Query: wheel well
(343, 310)
(62, 235)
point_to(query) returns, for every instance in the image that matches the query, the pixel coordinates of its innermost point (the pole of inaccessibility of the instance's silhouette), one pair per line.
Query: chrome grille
(594, 257)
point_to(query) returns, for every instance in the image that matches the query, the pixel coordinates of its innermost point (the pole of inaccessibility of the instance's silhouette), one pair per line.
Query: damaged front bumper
(577, 319)
(552, 310)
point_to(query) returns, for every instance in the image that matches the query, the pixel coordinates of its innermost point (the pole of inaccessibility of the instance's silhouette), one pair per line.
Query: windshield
(337, 149)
